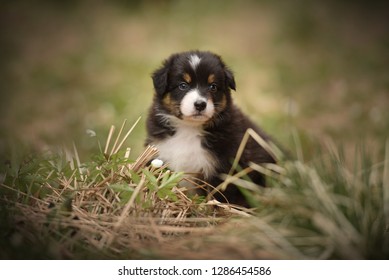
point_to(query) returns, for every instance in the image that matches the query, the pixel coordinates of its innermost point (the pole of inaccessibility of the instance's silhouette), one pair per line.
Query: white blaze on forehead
(194, 61)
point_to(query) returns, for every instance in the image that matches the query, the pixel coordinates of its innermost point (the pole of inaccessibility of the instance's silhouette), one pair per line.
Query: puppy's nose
(200, 105)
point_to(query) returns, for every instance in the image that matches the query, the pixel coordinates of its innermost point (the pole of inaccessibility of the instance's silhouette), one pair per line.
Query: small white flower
(90, 133)
(156, 163)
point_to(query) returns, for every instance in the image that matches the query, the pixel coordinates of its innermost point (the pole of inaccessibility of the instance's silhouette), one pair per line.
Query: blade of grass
(298, 145)
(385, 186)
(126, 136)
(111, 131)
(117, 138)
(78, 161)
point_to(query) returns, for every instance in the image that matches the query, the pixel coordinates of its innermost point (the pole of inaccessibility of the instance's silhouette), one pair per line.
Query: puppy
(195, 125)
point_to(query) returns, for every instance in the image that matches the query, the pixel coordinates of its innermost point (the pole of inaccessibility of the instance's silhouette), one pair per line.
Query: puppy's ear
(160, 79)
(160, 76)
(230, 80)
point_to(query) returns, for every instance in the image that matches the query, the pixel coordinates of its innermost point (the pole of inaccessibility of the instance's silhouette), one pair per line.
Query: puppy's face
(193, 86)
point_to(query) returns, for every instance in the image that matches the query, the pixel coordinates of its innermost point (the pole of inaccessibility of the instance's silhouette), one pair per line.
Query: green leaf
(171, 180)
(135, 177)
(121, 188)
(163, 193)
(124, 190)
(152, 179)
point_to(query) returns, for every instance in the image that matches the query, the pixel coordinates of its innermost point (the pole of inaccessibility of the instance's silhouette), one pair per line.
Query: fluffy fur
(194, 123)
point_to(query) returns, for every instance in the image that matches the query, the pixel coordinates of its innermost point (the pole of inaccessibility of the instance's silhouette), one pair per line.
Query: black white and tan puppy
(194, 123)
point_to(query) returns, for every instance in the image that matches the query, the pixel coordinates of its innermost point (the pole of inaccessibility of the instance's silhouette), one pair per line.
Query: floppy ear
(230, 80)
(160, 76)
(160, 79)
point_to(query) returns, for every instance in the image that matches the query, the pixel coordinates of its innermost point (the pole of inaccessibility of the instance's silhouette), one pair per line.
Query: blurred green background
(316, 69)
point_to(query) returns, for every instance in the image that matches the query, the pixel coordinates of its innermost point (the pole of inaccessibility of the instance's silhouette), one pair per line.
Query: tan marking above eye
(211, 78)
(187, 78)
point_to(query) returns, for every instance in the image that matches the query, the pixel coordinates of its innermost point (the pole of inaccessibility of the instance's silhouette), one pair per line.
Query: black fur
(223, 132)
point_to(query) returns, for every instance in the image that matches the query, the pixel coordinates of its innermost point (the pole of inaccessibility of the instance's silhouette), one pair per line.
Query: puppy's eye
(183, 86)
(213, 87)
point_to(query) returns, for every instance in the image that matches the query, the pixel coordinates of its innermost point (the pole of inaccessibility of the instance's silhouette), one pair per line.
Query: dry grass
(114, 207)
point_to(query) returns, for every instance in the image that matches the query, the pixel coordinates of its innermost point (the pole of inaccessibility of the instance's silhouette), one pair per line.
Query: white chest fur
(184, 152)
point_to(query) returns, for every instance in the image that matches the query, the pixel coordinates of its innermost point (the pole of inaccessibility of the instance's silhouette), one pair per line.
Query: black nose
(200, 105)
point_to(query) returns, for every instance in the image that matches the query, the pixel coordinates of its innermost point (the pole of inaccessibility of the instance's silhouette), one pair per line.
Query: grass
(313, 74)
(107, 205)
(56, 206)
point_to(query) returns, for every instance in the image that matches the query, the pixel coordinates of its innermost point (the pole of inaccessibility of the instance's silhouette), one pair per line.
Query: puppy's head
(193, 86)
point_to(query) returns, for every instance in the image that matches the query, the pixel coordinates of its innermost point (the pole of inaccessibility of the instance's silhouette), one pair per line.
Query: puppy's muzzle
(200, 105)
